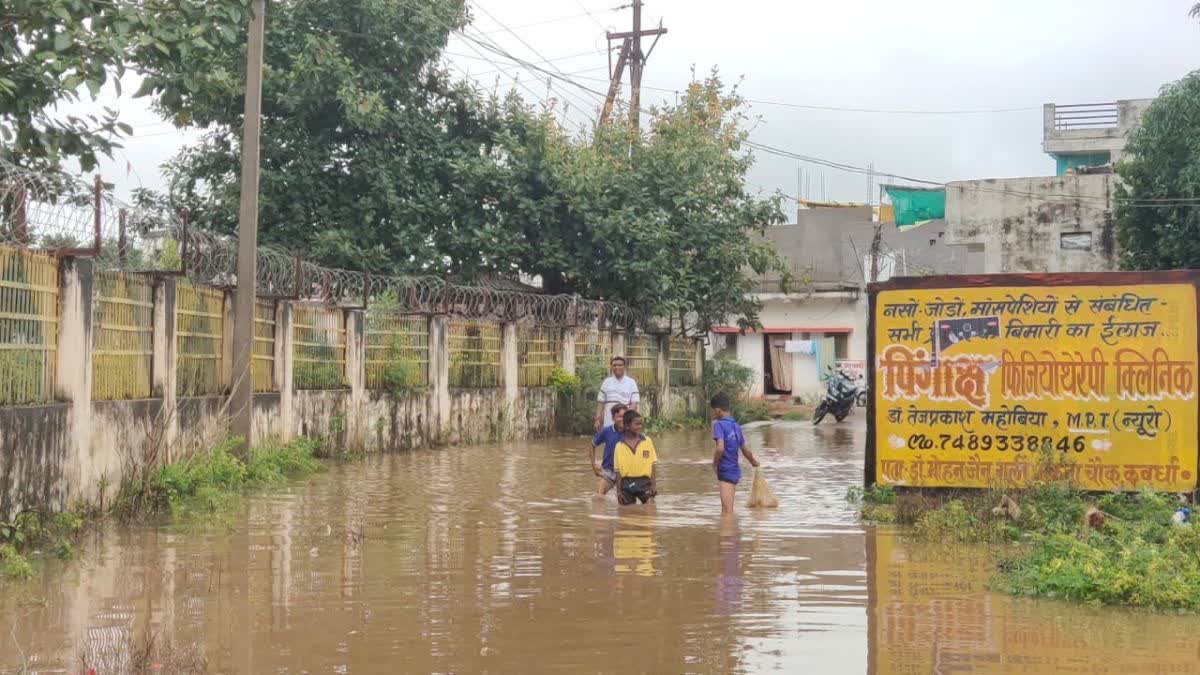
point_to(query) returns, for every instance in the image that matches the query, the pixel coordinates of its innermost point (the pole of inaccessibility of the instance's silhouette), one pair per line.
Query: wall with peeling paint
(1043, 224)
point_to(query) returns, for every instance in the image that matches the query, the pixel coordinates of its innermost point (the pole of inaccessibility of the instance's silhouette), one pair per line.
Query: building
(819, 318)
(1060, 223)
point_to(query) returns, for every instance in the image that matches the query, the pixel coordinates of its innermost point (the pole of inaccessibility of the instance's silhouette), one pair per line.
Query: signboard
(799, 347)
(975, 386)
(855, 369)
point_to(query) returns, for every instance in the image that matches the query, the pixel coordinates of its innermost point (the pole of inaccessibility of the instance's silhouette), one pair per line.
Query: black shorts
(635, 489)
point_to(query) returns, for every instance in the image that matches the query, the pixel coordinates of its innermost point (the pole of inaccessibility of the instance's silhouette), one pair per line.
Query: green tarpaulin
(915, 206)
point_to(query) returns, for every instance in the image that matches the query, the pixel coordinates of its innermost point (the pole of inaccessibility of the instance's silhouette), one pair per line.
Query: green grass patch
(656, 425)
(212, 481)
(30, 533)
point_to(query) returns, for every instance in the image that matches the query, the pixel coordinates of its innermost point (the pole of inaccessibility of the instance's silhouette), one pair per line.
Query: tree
(661, 222)
(374, 160)
(367, 145)
(51, 50)
(1155, 229)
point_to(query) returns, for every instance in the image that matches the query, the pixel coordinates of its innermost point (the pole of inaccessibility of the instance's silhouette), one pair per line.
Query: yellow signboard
(972, 383)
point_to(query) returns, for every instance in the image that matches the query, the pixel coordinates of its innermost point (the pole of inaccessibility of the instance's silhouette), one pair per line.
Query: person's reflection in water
(633, 542)
(728, 587)
(603, 527)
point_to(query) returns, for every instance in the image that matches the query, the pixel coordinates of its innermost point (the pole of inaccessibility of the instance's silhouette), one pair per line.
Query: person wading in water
(617, 388)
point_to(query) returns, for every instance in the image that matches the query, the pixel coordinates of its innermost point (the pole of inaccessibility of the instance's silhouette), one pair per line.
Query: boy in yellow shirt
(634, 462)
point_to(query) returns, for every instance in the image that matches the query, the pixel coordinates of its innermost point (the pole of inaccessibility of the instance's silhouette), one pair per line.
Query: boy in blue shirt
(609, 436)
(728, 437)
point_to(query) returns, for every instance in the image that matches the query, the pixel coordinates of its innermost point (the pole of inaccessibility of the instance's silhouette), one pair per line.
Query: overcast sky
(921, 55)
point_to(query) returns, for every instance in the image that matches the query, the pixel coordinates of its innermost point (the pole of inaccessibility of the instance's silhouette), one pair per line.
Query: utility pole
(876, 244)
(243, 318)
(614, 85)
(635, 70)
(631, 53)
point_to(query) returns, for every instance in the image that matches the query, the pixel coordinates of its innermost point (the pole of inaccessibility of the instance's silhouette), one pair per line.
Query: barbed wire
(64, 214)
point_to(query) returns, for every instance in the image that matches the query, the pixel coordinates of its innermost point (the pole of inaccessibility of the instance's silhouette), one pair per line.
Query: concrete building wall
(1044, 224)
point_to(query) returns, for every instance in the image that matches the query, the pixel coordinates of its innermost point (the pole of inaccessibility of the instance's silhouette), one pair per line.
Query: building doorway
(777, 365)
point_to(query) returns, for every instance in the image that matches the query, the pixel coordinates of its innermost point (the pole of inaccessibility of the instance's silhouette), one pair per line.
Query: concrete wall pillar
(698, 365)
(439, 375)
(73, 366)
(665, 404)
(618, 345)
(510, 364)
(283, 368)
(227, 306)
(165, 360)
(356, 377)
(567, 353)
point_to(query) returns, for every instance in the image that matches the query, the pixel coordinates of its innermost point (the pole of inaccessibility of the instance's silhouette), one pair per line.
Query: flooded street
(497, 559)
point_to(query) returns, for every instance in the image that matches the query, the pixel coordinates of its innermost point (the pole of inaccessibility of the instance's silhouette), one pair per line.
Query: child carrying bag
(760, 493)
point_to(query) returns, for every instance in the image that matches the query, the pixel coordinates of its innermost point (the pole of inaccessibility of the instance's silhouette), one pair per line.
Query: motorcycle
(840, 396)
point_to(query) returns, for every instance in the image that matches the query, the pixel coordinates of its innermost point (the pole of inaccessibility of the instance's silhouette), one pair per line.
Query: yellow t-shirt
(635, 463)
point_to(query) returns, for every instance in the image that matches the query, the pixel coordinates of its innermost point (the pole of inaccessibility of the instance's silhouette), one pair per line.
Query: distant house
(1059, 223)
(819, 319)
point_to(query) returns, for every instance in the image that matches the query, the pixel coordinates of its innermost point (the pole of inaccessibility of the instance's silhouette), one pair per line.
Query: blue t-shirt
(608, 437)
(726, 429)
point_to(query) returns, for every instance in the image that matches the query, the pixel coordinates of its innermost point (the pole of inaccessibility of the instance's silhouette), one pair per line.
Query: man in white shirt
(617, 388)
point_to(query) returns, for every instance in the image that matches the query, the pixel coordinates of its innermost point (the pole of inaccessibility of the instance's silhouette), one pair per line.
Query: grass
(657, 425)
(1137, 557)
(30, 533)
(209, 482)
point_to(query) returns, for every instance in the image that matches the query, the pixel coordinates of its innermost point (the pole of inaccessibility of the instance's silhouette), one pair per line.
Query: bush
(402, 377)
(13, 565)
(747, 411)
(577, 395)
(954, 522)
(725, 375)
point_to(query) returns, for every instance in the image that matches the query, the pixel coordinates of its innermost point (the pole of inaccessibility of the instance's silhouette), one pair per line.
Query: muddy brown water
(495, 559)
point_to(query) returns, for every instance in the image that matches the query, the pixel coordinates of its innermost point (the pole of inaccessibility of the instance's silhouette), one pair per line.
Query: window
(1075, 241)
(841, 346)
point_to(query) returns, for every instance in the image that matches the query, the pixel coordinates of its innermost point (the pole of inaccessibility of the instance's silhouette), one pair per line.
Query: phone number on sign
(1000, 442)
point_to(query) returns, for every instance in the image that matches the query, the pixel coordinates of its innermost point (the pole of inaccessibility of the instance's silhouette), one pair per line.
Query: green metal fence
(319, 348)
(200, 337)
(28, 326)
(474, 354)
(122, 336)
(397, 348)
(539, 352)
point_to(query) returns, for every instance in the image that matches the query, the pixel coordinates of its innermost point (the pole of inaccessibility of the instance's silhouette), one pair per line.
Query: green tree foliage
(1163, 164)
(367, 145)
(53, 50)
(662, 222)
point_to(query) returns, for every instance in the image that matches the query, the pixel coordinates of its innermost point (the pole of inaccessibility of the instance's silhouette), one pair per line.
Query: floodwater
(495, 559)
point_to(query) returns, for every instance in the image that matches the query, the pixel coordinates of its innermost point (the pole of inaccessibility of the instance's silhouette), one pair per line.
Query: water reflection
(930, 612)
(498, 559)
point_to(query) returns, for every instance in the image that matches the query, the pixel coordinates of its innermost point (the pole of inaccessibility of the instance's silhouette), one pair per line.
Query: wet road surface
(496, 559)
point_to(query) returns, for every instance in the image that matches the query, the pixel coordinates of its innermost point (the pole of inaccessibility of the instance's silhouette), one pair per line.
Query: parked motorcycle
(840, 396)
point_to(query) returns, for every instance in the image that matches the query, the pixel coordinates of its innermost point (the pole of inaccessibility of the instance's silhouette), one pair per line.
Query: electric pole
(635, 69)
(876, 244)
(243, 317)
(614, 84)
(631, 53)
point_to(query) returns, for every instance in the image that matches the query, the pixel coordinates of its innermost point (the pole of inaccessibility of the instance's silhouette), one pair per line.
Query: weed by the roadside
(13, 565)
(29, 532)
(656, 425)
(209, 482)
